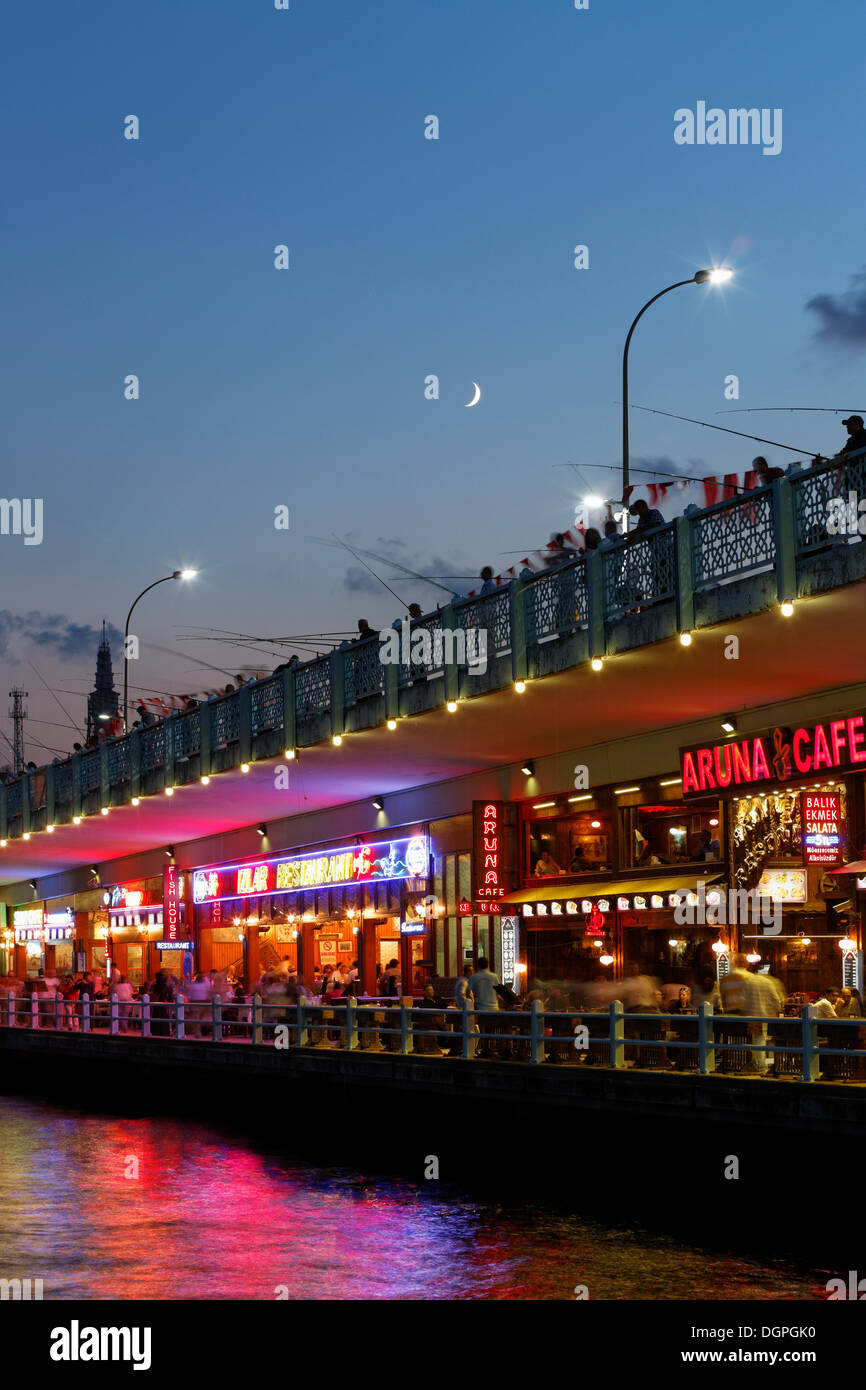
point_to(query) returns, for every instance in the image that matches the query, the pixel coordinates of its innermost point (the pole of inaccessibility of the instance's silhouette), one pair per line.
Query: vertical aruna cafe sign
(785, 753)
(492, 853)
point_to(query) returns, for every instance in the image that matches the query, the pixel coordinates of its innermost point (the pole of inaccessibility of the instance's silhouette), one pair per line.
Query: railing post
(706, 1040)
(685, 573)
(216, 1005)
(289, 715)
(468, 1018)
(303, 1027)
(617, 1035)
(34, 1010)
(179, 1002)
(11, 1006)
(145, 1015)
(257, 1018)
(112, 1013)
(405, 1028)
(338, 686)
(351, 1034)
(536, 1032)
(452, 670)
(58, 1010)
(785, 533)
(85, 1013)
(595, 603)
(517, 599)
(810, 1055)
(244, 696)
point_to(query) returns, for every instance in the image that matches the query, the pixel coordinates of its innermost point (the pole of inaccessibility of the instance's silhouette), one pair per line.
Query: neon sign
(492, 852)
(775, 756)
(821, 816)
(371, 863)
(170, 902)
(509, 949)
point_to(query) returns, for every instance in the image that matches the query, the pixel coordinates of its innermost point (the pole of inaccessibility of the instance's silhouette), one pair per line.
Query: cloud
(53, 632)
(360, 581)
(841, 317)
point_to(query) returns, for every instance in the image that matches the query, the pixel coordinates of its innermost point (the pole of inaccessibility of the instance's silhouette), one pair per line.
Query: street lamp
(717, 275)
(177, 574)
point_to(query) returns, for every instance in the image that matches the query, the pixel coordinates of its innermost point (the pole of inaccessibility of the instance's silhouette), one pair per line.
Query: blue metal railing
(806, 1048)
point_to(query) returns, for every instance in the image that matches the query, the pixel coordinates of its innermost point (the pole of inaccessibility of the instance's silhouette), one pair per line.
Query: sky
(304, 388)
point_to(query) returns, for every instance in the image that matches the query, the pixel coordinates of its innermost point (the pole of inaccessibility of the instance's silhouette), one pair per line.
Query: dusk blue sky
(408, 257)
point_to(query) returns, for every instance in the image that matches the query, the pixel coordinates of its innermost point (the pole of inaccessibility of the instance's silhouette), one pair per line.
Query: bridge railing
(734, 538)
(806, 1047)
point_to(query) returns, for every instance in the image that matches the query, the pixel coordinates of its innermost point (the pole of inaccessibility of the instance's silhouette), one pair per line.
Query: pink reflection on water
(211, 1218)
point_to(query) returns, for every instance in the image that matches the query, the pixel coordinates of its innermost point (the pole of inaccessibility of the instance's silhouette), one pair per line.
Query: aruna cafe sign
(782, 754)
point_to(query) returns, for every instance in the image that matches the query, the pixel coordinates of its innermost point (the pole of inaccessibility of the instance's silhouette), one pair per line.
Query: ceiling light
(542, 805)
(527, 768)
(596, 663)
(262, 829)
(169, 851)
(729, 724)
(587, 796)
(714, 822)
(596, 824)
(620, 791)
(379, 803)
(671, 782)
(33, 884)
(94, 872)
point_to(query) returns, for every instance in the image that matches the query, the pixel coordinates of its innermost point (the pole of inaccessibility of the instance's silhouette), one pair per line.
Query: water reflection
(102, 1207)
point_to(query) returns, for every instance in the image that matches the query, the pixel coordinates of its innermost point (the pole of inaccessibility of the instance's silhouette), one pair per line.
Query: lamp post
(716, 276)
(177, 574)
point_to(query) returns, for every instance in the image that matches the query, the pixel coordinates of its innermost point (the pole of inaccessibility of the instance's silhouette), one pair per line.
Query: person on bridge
(856, 436)
(764, 473)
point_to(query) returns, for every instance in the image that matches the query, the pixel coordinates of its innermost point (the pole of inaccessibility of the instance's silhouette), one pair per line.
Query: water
(211, 1215)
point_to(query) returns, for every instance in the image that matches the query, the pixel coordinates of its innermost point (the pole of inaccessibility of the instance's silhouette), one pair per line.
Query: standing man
(764, 473)
(856, 436)
(482, 987)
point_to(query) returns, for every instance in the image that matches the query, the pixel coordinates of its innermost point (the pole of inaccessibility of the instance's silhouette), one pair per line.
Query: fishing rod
(383, 559)
(346, 545)
(654, 473)
(813, 453)
(810, 409)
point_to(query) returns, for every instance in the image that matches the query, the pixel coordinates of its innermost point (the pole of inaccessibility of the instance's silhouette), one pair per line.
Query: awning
(649, 892)
(858, 867)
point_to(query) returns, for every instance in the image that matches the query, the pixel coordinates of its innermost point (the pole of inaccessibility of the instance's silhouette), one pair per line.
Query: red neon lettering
(760, 768)
(705, 765)
(742, 765)
(822, 748)
(723, 777)
(802, 764)
(690, 777)
(855, 739)
(837, 734)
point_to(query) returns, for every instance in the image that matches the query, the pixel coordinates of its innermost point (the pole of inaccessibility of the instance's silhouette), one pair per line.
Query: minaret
(103, 699)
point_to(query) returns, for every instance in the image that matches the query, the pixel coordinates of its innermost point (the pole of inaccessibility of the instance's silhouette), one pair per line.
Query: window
(672, 834)
(576, 844)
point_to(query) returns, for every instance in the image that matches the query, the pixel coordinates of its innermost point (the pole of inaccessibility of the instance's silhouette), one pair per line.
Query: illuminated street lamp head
(184, 574)
(716, 275)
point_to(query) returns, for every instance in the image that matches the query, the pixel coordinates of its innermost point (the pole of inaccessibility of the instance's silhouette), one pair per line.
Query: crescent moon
(477, 397)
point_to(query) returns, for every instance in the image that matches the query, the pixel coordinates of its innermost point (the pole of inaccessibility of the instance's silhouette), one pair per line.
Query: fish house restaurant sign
(779, 755)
